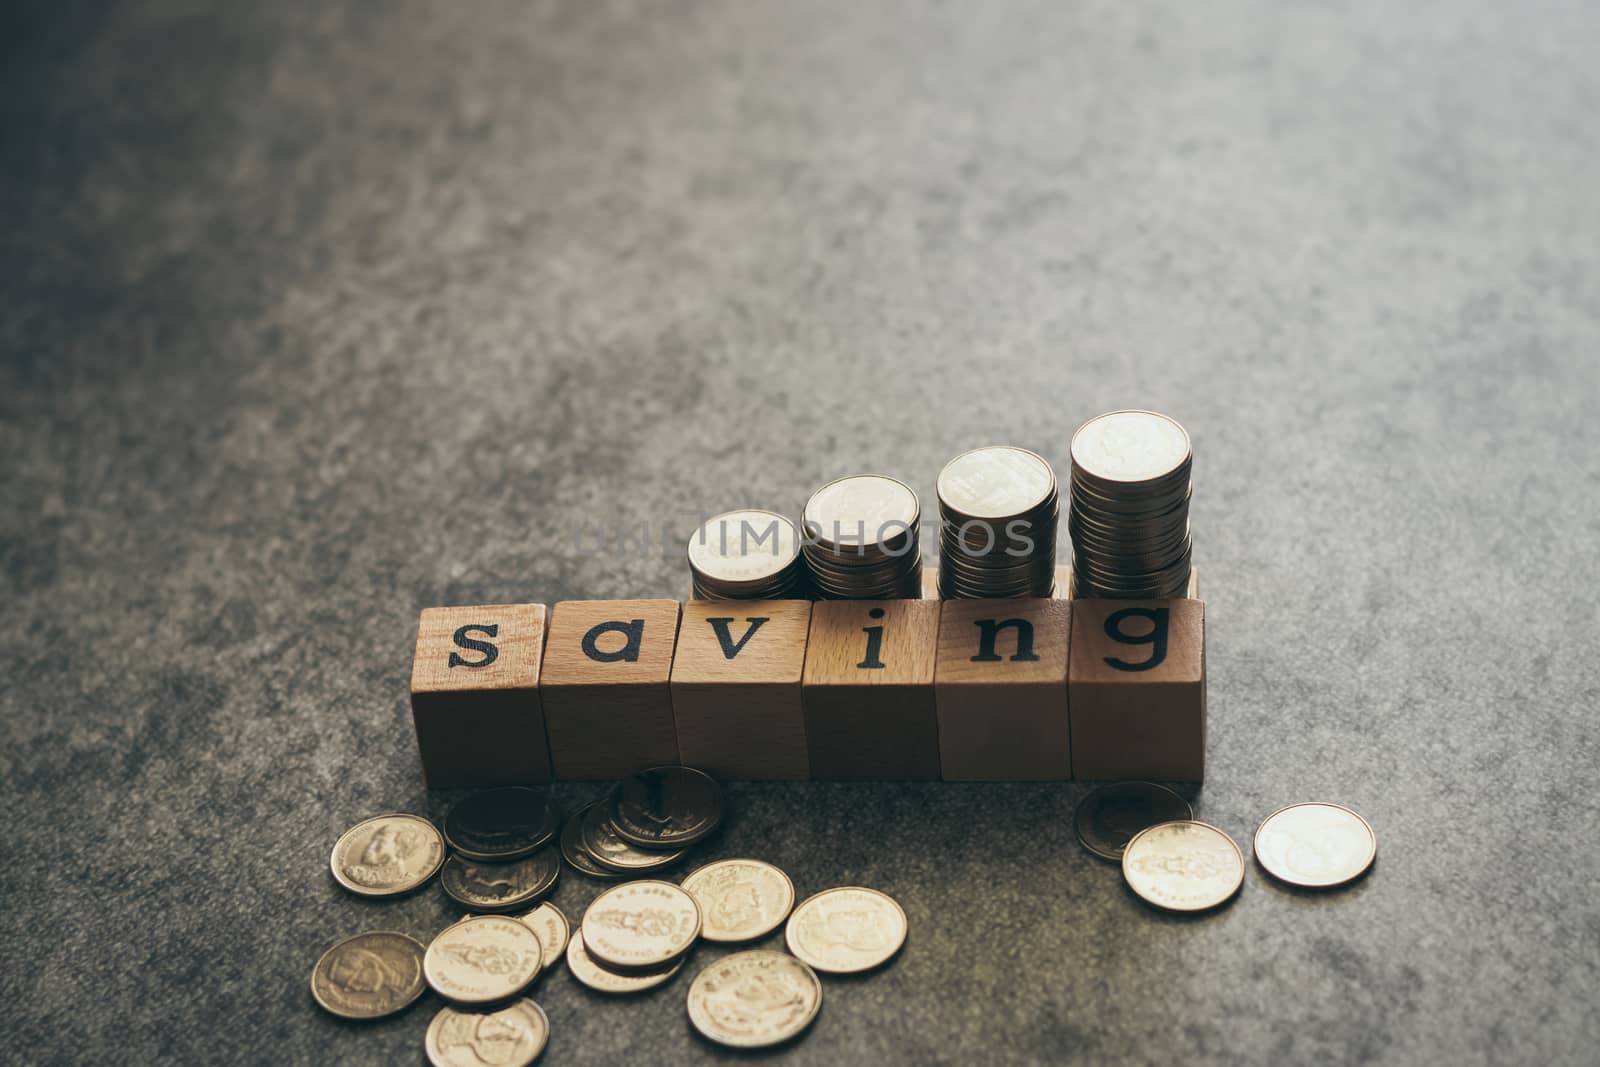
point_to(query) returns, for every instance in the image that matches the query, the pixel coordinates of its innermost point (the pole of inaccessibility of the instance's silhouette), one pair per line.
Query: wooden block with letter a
(736, 688)
(475, 695)
(1001, 690)
(607, 705)
(1136, 686)
(868, 689)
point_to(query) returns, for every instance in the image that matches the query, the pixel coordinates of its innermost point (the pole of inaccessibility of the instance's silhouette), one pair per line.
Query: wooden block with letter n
(1137, 689)
(868, 689)
(736, 688)
(1001, 690)
(607, 705)
(475, 695)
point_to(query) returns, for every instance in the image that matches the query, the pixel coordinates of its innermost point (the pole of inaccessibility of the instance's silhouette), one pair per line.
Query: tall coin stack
(1129, 520)
(861, 539)
(747, 555)
(997, 531)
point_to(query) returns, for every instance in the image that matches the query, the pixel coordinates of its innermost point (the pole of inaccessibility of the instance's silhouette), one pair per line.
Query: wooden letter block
(736, 688)
(607, 705)
(1001, 690)
(475, 695)
(868, 689)
(1137, 689)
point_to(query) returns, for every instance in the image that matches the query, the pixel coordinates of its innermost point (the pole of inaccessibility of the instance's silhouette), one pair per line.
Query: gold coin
(1315, 846)
(387, 855)
(369, 975)
(514, 1036)
(754, 999)
(550, 923)
(641, 925)
(1183, 865)
(483, 959)
(846, 930)
(604, 980)
(740, 900)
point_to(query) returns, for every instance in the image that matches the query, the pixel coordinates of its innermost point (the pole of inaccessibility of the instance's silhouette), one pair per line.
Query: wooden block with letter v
(607, 705)
(736, 688)
(1001, 690)
(475, 695)
(868, 689)
(1136, 686)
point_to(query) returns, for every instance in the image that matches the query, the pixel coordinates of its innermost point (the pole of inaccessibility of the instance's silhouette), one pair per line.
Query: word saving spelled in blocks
(1137, 689)
(736, 688)
(605, 684)
(867, 689)
(1000, 687)
(475, 695)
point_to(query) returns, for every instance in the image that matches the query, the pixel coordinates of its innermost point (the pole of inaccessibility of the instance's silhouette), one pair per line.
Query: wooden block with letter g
(1001, 690)
(1137, 689)
(607, 705)
(868, 689)
(475, 695)
(736, 688)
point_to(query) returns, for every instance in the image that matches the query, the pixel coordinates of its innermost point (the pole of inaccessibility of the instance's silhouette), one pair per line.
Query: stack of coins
(747, 555)
(1129, 521)
(861, 539)
(997, 525)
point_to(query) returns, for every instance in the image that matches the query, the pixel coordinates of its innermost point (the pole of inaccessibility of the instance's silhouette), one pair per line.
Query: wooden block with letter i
(1136, 685)
(736, 688)
(868, 689)
(475, 695)
(607, 705)
(1001, 690)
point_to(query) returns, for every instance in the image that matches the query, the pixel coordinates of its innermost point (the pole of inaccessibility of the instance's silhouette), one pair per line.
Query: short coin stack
(998, 508)
(747, 555)
(1129, 520)
(861, 539)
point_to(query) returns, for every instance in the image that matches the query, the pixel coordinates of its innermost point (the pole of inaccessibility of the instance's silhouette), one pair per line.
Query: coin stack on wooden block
(747, 555)
(861, 539)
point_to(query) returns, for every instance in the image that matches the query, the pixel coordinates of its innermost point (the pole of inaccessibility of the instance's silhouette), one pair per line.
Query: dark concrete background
(319, 313)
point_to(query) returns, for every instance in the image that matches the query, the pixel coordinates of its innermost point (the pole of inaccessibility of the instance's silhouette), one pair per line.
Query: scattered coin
(640, 925)
(1315, 846)
(746, 555)
(846, 930)
(666, 807)
(387, 855)
(998, 512)
(514, 1036)
(754, 999)
(1183, 865)
(740, 899)
(861, 539)
(604, 980)
(483, 959)
(573, 849)
(1110, 815)
(600, 841)
(369, 975)
(550, 923)
(499, 825)
(494, 887)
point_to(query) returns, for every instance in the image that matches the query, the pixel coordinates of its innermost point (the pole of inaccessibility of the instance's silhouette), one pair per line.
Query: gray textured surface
(316, 314)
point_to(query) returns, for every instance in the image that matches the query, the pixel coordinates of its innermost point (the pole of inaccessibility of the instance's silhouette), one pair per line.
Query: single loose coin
(575, 853)
(1316, 846)
(369, 975)
(641, 925)
(499, 825)
(666, 807)
(495, 887)
(604, 980)
(550, 923)
(1183, 865)
(1109, 816)
(600, 841)
(754, 999)
(483, 959)
(514, 1036)
(387, 855)
(846, 930)
(740, 900)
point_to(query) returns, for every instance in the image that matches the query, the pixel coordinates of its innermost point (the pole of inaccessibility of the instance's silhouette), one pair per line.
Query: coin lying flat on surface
(599, 839)
(499, 825)
(514, 1036)
(496, 887)
(1183, 866)
(1315, 846)
(754, 999)
(666, 807)
(640, 925)
(550, 923)
(846, 930)
(387, 855)
(740, 899)
(603, 980)
(1109, 816)
(483, 959)
(369, 975)
(578, 855)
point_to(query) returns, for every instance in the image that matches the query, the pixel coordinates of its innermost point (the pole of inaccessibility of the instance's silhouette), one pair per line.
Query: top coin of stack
(997, 530)
(1129, 520)
(861, 539)
(747, 555)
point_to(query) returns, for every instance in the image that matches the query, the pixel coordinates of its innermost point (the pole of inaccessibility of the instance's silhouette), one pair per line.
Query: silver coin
(387, 855)
(550, 923)
(867, 509)
(611, 852)
(499, 825)
(514, 1036)
(640, 925)
(1315, 845)
(1109, 817)
(666, 807)
(754, 999)
(741, 550)
(846, 930)
(604, 980)
(1183, 866)
(574, 851)
(996, 482)
(740, 899)
(483, 959)
(1130, 446)
(498, 887)
(369, 976)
